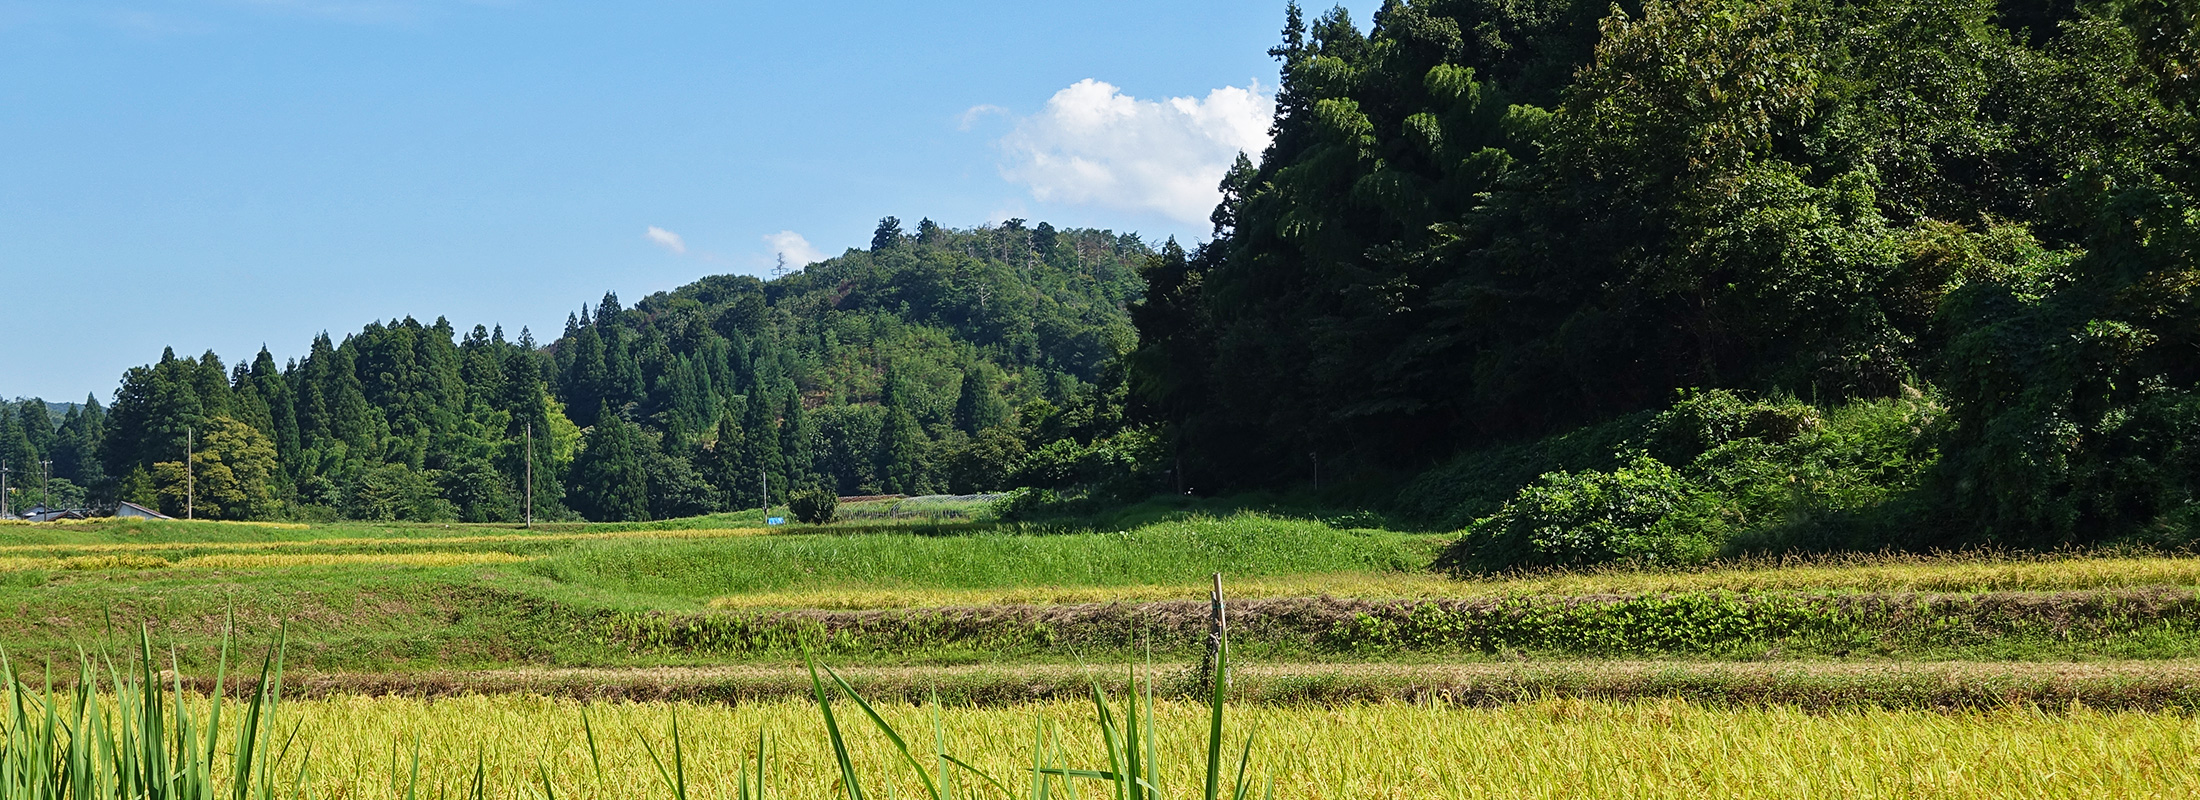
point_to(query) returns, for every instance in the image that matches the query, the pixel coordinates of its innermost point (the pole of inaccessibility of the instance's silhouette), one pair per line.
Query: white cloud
(1095, 145)
(666, 239)
(978, 112)
(798, 251)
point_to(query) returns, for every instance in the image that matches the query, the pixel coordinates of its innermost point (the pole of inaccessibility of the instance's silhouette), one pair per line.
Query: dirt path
(2099, 684)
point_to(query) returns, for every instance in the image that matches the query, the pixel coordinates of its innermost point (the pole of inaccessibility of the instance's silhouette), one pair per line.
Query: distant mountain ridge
(935, 360)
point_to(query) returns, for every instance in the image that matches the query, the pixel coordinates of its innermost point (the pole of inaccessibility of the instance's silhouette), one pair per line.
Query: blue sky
(219, 174)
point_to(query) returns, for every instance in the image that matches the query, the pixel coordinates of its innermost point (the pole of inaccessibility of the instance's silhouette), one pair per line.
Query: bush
(1645, 513)
(1477, 483)
(1700, 421)
(1720, 471)
(814, 506)
(1027, 504)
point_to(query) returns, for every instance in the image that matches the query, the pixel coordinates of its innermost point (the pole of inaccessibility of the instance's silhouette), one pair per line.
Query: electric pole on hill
(530, 476)
(190, 484)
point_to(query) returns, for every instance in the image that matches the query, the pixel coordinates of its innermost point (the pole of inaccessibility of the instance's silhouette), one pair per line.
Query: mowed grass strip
(1546, 749)
(515, 538)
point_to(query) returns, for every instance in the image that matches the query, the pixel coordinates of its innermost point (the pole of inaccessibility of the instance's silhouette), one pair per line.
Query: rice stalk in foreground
(1136, 761)
(117, 738)
(150, 745)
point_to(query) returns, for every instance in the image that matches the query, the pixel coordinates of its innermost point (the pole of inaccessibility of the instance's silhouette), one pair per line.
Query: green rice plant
(151, 745)
(1135, 758)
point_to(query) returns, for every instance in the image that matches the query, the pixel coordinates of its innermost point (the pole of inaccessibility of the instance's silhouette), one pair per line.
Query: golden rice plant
(145, 743)
(288, 560)
(1544, 749)
(2046, 575)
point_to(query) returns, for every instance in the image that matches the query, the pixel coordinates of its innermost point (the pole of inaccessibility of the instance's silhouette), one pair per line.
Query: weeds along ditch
(2138, 623)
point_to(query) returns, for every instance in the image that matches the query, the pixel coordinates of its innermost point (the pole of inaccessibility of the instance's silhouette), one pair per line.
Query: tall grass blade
(595, 757)
(1221, 681)
(930, 786)
(848, 780)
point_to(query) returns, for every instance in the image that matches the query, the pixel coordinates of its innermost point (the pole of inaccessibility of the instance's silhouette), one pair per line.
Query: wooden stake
(1218, 624)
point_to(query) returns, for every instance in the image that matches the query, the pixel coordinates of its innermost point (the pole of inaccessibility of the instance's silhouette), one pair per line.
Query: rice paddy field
(461, 661)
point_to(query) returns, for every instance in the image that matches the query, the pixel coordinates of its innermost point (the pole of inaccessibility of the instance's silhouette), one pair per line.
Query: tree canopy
(888, 369)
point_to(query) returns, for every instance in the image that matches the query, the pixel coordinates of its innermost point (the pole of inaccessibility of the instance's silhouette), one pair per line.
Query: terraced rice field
(1363, 673)
(1538, 749)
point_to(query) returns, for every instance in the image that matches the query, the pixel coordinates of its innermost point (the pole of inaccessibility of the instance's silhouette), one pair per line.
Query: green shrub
(1645, 512)
(1719, 471)
(814, 505)
(1477, 483)
(1703, 420)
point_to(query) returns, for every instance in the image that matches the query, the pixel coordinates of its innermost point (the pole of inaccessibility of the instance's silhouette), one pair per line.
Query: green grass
(555, 607)
(379, 598)
(1245, 545)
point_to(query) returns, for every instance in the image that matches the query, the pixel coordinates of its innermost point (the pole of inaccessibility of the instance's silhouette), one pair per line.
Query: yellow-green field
(1889, 575)
(1549, 749)
(500, 622)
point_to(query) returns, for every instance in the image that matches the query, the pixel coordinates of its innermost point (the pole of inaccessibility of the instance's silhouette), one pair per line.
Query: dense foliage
(45, 453)
(1483, 222)
(932, 362)
(1919, 272)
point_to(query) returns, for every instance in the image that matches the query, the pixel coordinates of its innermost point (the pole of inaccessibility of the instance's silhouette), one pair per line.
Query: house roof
(142, 510)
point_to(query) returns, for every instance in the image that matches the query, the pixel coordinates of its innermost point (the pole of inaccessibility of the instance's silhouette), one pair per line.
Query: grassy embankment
(448, 608)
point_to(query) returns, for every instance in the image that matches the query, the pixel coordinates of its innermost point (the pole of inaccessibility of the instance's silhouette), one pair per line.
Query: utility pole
(45, 486)
(530, 476)
(3, 491)
(190, 477)
(767, 476)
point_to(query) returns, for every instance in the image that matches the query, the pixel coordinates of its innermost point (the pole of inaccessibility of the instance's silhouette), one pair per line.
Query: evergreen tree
(274, 389)
(719, 461)
(15, 448)
(797, 441)
(759, 454)
(610, 480)
(887, 235)
(586, 375)
(979, 405)
(37, 423)
(76, 448)
(902, 444)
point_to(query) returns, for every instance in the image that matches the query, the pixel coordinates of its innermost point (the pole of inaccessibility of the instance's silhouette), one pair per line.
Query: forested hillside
(933, 362)
(1655, 281)
(1484, 222)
